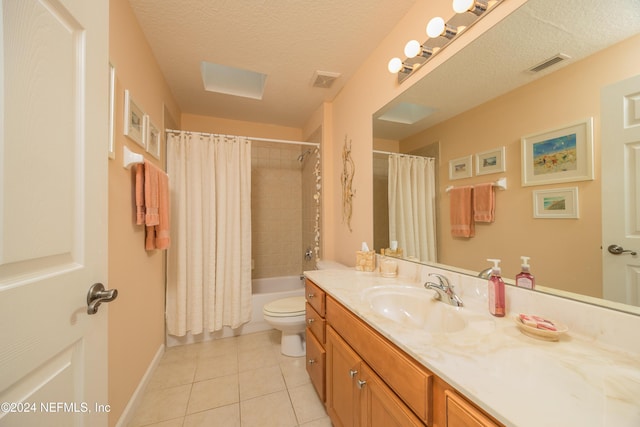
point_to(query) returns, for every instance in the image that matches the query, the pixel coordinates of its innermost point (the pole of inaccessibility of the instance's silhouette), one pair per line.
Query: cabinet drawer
(316, 323)
(315, 297)
(408, 379)
(316, 364)
(459, 412)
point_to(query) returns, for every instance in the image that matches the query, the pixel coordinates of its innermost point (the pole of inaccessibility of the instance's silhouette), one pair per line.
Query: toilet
(288, 316)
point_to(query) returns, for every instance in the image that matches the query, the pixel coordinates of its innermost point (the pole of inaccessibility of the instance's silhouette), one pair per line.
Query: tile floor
(232, 382)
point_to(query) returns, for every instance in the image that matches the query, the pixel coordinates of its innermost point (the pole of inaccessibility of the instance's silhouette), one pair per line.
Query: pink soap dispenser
(525, 279)
(496, 290)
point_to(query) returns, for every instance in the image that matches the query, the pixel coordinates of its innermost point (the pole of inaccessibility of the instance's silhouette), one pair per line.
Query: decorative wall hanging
(153, 137)
(348, 171)
(491, 161)
(460, 168)
(556, 203)
(564, 154)
(133, 120)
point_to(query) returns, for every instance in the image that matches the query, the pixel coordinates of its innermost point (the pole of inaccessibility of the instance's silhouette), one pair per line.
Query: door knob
(617, 250)
(97, 295)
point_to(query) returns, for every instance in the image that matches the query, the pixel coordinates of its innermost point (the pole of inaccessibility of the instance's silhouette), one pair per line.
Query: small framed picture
(563, 154)
(133, 120)
(153, 137)
(112, 111)
(491, 161)
(556, 203)
(460, 168)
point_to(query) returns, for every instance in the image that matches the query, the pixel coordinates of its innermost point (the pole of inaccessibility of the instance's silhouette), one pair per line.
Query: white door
(620, 106)
(53, 211)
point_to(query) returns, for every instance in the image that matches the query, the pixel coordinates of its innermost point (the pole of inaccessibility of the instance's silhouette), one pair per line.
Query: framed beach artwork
(460, 168)
(491, 161)
(153, 137)
(133, 120)
(556, 203)
(564, 154)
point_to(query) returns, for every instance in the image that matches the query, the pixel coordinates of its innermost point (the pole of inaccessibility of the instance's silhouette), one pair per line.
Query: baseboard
(136, 398)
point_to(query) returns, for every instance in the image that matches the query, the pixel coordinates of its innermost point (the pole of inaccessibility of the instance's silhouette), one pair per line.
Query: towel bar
(131, 158)
(500, 184)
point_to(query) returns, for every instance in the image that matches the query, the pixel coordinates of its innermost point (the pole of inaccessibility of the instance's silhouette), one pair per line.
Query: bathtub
(263, 291)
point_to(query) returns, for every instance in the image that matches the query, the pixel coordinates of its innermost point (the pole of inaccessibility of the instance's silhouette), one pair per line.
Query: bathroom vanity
(457, 366)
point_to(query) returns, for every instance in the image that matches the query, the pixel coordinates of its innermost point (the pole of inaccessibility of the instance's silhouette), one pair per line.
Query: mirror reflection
(485, 99)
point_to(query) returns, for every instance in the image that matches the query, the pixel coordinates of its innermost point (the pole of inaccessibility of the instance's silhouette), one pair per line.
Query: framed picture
(460, 168)
(491, 161)
(112, 110)
(153, 137)
(133, 120)
(556, 203)
(559, 155)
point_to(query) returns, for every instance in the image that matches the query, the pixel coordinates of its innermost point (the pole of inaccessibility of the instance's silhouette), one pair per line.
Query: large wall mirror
(486, 99)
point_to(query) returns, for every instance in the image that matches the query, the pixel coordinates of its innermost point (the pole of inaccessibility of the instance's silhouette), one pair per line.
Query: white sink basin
(415, 307)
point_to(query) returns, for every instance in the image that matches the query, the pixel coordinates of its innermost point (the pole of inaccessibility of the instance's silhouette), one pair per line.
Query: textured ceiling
(288, 40)
(497, 62)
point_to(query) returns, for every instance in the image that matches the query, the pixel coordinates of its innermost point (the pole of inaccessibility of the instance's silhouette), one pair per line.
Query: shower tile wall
(276, 210)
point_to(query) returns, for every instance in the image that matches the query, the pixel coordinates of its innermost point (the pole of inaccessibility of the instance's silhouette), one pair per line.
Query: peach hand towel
(484, 203)
(151, 184)
(140, 194)
(461, 212)
(159, 235)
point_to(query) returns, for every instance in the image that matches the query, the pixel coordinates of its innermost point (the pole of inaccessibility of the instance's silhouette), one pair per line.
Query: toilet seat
(285, 307)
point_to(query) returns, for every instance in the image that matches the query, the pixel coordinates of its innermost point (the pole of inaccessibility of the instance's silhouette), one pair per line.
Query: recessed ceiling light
(407, 113)
(232, 81)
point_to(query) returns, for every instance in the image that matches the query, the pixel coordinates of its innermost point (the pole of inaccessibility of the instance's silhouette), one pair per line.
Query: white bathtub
(263, 291)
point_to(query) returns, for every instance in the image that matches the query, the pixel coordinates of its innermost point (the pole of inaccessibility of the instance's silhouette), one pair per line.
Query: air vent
(323, 79)
(549, 62)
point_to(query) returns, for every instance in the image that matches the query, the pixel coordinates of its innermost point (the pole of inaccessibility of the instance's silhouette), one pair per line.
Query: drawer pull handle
(353, 373)
(312, 361)
(311, 295)
(311, 320)
(361, 384)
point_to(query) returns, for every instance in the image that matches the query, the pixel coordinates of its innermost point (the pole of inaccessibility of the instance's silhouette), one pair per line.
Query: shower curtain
(209, 263)
(412, 211)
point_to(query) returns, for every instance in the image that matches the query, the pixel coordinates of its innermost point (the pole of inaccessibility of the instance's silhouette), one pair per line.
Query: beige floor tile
(170, 374)
(179, 353)
(294, 370)
(161, 405)
(268, 338)
(271, 410)
(322, 422)
(256, 358)
(225, 416)
(214, 367)
(217, 348)
(176, 422)
(260, 381)
(213, 393)
(306, 404)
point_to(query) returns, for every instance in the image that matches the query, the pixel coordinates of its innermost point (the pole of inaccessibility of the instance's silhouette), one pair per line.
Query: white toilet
(288, 316)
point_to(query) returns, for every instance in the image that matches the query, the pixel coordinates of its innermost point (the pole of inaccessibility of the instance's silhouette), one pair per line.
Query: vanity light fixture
(417, 54)
(438, 28)
(397, 66)
(477, 7)
(413, 48)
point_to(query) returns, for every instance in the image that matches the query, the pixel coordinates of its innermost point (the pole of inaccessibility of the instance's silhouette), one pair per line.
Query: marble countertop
(520, 380)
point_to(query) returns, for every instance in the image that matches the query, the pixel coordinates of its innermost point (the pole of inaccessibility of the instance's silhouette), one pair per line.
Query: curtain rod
(280, 141)
(400, 154)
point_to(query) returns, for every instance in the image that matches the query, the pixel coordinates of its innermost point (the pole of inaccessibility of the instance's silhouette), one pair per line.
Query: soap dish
(543, 334)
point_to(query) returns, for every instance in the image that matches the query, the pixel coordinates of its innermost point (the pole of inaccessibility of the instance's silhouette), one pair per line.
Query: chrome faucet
(444, 289)
(484, 274)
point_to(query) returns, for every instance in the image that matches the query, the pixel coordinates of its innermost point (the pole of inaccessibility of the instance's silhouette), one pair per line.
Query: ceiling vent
(323, 79)
(548, 63)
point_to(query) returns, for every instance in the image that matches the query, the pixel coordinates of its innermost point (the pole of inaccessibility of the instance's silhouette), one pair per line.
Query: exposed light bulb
(435, 27)
(395, 65)
(461, 6)
(412, 48)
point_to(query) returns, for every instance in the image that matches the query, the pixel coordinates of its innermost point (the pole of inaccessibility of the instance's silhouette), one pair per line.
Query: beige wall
(136, 318)
(564, 253)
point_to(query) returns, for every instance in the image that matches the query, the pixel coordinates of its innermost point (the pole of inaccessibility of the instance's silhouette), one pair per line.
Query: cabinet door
(343, 365)
(379, 405)
(316, 364)
(460, 413)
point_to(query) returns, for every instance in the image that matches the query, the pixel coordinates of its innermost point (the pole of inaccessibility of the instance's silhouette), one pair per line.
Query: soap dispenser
(496, 290)
(525, 279)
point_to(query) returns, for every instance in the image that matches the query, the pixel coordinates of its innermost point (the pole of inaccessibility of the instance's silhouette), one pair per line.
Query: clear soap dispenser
(496, 290)
(525, 279)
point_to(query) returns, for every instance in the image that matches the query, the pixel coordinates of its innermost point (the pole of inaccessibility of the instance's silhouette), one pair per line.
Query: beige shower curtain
(209, 263)
(412, 210)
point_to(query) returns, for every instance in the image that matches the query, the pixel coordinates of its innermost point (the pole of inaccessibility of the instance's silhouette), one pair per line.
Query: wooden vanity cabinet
(316, 337)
